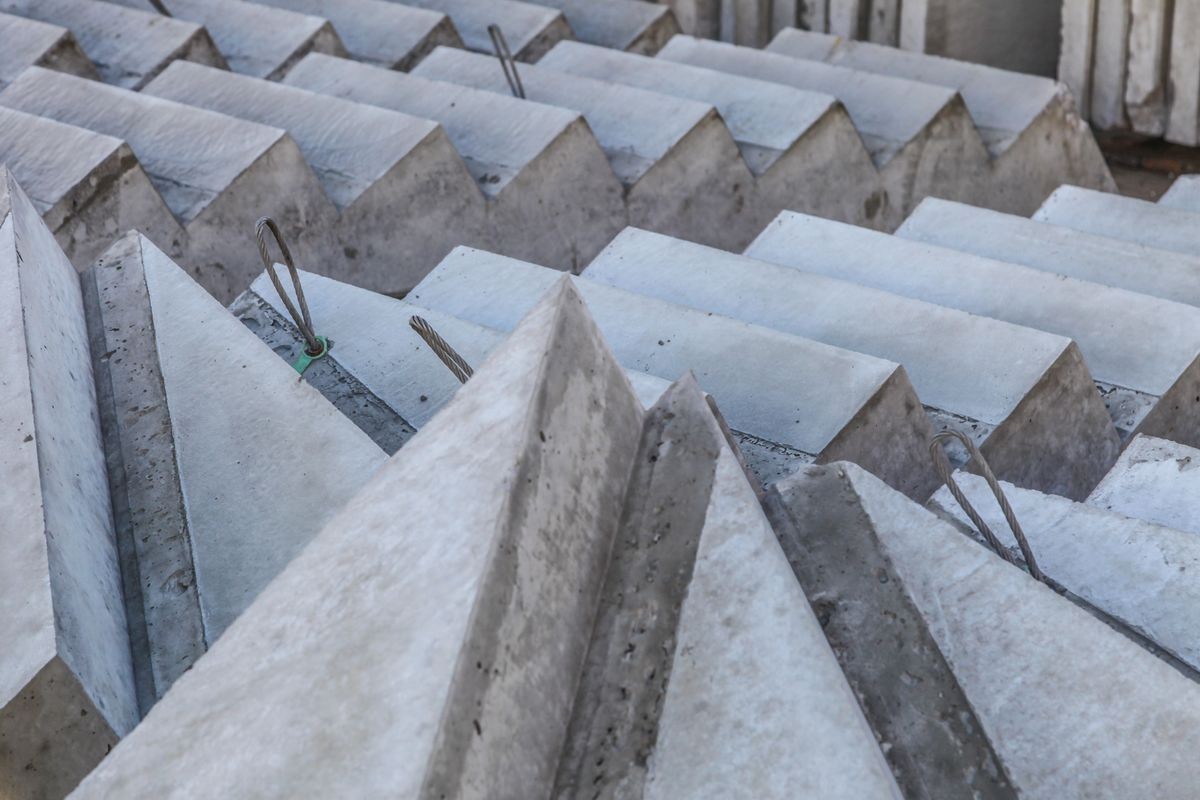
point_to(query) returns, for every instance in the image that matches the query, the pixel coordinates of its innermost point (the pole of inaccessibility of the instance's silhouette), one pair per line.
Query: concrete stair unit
(798, 144)
(549, 192)
(401, 193)
(216, 173)
(1023, 412)
(1184, 194)
(681, 170)
(28, 43)
(529, 29)
(1030, 124)
(1139, 221)
(1154, 480)
(127, 46)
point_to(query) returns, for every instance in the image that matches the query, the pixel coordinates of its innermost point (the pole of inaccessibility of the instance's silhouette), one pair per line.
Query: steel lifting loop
(453, 361)
(303, 320)
(942, 464)
(507, 62)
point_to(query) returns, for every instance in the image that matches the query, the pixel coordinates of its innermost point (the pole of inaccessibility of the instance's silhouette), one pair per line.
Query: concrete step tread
(1184, 194)
(1154, 480)
(27, 42)
(1122, 217)
(620, 24)
(529, 29)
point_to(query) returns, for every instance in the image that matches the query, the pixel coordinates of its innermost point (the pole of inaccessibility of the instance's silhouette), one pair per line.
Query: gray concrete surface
(1183, 125)
(27, 43)
(529, 29)
(454, 595)
(1018, 35)
(791, 400)
(1184, 194)
(1140, 221)
(66, 680)
(550, 194)
(632, 25)
(217, 174)
(222, 464)
(1014, 390)
(1154, 480)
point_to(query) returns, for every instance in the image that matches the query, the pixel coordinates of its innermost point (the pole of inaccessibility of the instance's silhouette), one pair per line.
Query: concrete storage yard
(578, 399)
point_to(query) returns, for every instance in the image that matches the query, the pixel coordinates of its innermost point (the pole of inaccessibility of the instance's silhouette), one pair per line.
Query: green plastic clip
(302, 363)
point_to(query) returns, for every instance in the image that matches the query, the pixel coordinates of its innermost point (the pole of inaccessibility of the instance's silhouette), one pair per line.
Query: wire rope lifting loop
(441, 348)
(315, 346)
(942, 465)
(507, 62)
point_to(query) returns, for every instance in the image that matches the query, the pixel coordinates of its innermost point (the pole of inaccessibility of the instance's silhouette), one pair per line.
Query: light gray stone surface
(387, 34)
(632, 25)
(1146, 80)
(529, 29)
(1110, 56)
(453, 596)
(403, 194)
(1154, 480)
(217, 174)
(1183, 124)
(254, 38)
(801, 146)
(128, 46)
(1006, 386)
(27, 42)
(1077, 50)
(1184, 194)
(89, 187)
(66, 680)
(792, 400)
(550, 194)
(223, 464)
(1128, 218)
(1065, 729)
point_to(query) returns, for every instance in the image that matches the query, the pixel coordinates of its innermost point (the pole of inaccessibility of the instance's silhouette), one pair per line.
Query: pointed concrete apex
(66, 681)
(440, 621)
(223, 464)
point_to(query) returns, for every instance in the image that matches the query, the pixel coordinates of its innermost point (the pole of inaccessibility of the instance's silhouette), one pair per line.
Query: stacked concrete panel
(681, 169)
(1024, 396)
(1029, 124)
(800, 145)
(66, 679)
(222, 464)
(632, 25)
(402, 195)
(128, 46)
(550, 194)
(529, 29)
(26, 43)
(217, 174)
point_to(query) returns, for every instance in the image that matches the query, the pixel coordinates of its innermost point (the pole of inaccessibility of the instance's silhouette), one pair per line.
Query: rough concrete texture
(127, 46)
(1184, 194)
(1077, 51)
(791, 399)
(1146, 80)
(530, 29)
(254, 38)
(681, 169)
(920, 136)
(1183, 124)
(29, 43)
(1128, 218)
(89, 187)
(800, 145)
(454, 595)
(223, 464)
(1018, 35)
(387, 34)
(66, 680)
(1154, 480)
(1058, 250)
(403, 194)
(1029, 124)
(550, 195)
(1065, 729)
(935, 743)
(631, 25)
(999, 383)
(217, 174)
(1138, 573)
(1110, 55)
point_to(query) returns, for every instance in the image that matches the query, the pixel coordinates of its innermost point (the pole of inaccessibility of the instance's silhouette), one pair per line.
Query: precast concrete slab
(1078, 50)
(791, 400)
(1064, 729)
(631, 25)
(254, 38)
(801, 146)
(1183, 121)
(222, 464)
(1135, 572)
(549, 193)
(26, 43)
(66, 679)
(89, 187)
(1144, 352)
(920, 136)
(1024, 396)
(1029, 124)
(1154, 480)
(403, 196)
(936, 745)
(699, 595)
(216, 173)
(1121, 217)
(1110, 57)
(1057, 250)
(1146, 90)
(1020, 35)
(681, 169)
(530, 29)
(455, 594)
(128, 46)
(1184, 194)
(386, 34)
